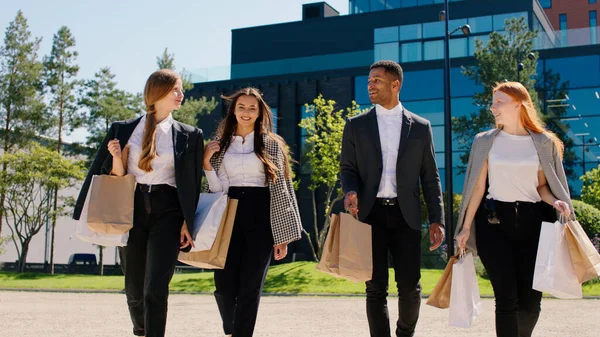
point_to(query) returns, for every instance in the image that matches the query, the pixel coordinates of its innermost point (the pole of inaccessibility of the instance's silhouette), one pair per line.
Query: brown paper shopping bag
(110, 208)
(216, 257)
(584, 255)
(330, 258)
(356, 252)
(440, 295)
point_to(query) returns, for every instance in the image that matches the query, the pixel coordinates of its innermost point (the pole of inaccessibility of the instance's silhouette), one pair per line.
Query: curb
(93, 291)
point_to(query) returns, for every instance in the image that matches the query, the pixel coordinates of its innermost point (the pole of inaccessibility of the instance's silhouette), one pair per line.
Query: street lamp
(520, 65)
(466, 30)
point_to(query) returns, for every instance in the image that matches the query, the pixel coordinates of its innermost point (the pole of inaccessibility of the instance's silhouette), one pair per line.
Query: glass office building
(329, 54)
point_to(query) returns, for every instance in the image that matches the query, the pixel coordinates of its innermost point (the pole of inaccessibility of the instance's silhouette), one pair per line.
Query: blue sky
(128, 35)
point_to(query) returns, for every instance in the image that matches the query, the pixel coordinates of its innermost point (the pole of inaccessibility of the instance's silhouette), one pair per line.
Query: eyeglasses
(490, 206)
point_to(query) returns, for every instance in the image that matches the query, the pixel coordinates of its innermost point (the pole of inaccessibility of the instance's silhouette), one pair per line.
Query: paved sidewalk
(29, 314)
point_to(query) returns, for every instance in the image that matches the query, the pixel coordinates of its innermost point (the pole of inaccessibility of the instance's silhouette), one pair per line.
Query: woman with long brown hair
(250, 163)
(165, 157)
(519, 166)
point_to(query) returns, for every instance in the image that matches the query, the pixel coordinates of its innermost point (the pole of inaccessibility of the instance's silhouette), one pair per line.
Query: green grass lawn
(291, 278)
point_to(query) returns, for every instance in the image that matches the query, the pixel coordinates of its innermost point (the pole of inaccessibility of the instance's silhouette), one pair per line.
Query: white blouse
(513, 169)
(163, 165)
(240, 167)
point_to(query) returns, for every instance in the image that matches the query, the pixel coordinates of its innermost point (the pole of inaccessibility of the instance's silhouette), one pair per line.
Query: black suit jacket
(362, 166)
(188, 145)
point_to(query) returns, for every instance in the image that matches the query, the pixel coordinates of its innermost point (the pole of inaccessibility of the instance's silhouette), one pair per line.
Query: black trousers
(392, 234)
(508, 251)
(239, 285)
(149, 258)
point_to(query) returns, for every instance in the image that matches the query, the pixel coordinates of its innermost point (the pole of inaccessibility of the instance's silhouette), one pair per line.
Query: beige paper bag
(584, 255)
(356, 252)
(330, 258)
(440, 295)
(216, 257)
(111, 204)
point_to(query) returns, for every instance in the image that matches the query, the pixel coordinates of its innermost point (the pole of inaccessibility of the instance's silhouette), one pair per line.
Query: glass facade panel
(409, 3)
(416, 81)
(387, 34)
(480, 24)
(433, 29)
(410, 32)
(275, 119)
(572, 68)
(359, 6)
(462, 85)
(387, 51)
(593, 28)
(459, 47)
(393, 4)
(433, 50)
(499, 19)
(411, 52)
(463, 107)
(425, 2)
(453, 24)
(546, 3)
(438, 137)
(432, 110)
(361, 95)
(377, 5)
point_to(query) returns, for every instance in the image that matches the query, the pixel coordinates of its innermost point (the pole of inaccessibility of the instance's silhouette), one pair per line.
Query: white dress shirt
(240, 167)
(513, 169)
(163, 165)
(390, 127)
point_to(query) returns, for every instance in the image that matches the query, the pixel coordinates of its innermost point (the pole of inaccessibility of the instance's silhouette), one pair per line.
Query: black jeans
(508, 251)
(239, 285)
(392, 234)
(149, 259)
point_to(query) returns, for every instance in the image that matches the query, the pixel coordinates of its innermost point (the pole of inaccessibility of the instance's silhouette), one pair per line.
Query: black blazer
(362, 165)
(188, 145)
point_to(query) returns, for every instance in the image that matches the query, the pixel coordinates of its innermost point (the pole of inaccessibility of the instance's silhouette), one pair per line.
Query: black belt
(387, 201)
(154, 188)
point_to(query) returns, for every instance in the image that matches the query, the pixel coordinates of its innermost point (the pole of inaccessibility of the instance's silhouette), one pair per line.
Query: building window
(546, 3)
(434, 50)
(459, 47)
(387, 34)
(275, 119)
(433, 29)
(481, 24)
(562, 19)
(410, 32)
(591, 2)
(593, 28)
(411, 52)
(377, 5)
(387, 51)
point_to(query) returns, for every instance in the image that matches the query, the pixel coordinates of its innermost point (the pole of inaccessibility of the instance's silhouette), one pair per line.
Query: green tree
(31, 177)
(60, 72)
(590, 192)
(497, 62)
(324, 126)
(104, 104)
(21, 105)
(191, 107)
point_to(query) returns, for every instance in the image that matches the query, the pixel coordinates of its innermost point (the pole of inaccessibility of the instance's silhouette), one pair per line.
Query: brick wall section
(577, 13)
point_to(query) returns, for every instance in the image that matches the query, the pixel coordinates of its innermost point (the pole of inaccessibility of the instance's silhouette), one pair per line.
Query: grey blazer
(549, 159)
(285, 215)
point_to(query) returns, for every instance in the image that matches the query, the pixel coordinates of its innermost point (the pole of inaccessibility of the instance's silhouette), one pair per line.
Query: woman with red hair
(514, 172)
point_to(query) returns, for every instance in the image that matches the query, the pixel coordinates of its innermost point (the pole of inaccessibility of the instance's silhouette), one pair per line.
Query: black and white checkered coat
(285, 215)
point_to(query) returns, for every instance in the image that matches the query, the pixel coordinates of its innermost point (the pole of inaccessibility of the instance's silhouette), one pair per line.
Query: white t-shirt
(513, 169)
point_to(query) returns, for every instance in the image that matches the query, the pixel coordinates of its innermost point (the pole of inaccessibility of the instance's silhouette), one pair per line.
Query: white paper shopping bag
(465, 302)
(207, 219)
(554, 271)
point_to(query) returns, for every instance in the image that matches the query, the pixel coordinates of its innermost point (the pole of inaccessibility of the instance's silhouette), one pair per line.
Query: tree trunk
(101, 254)
(23, 256)
(55, 207)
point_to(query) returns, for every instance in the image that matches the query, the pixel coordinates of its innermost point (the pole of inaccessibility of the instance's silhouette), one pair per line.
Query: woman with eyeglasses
(519, 166)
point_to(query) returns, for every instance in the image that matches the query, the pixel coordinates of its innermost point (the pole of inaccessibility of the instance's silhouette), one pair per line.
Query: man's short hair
(391, 67)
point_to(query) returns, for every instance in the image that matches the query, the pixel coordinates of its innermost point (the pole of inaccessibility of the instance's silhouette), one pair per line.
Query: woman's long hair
(528, 114)
(262, 126)
(158, 85)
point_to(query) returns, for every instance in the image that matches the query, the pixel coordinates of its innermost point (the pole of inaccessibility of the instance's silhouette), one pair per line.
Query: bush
(588, 216)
